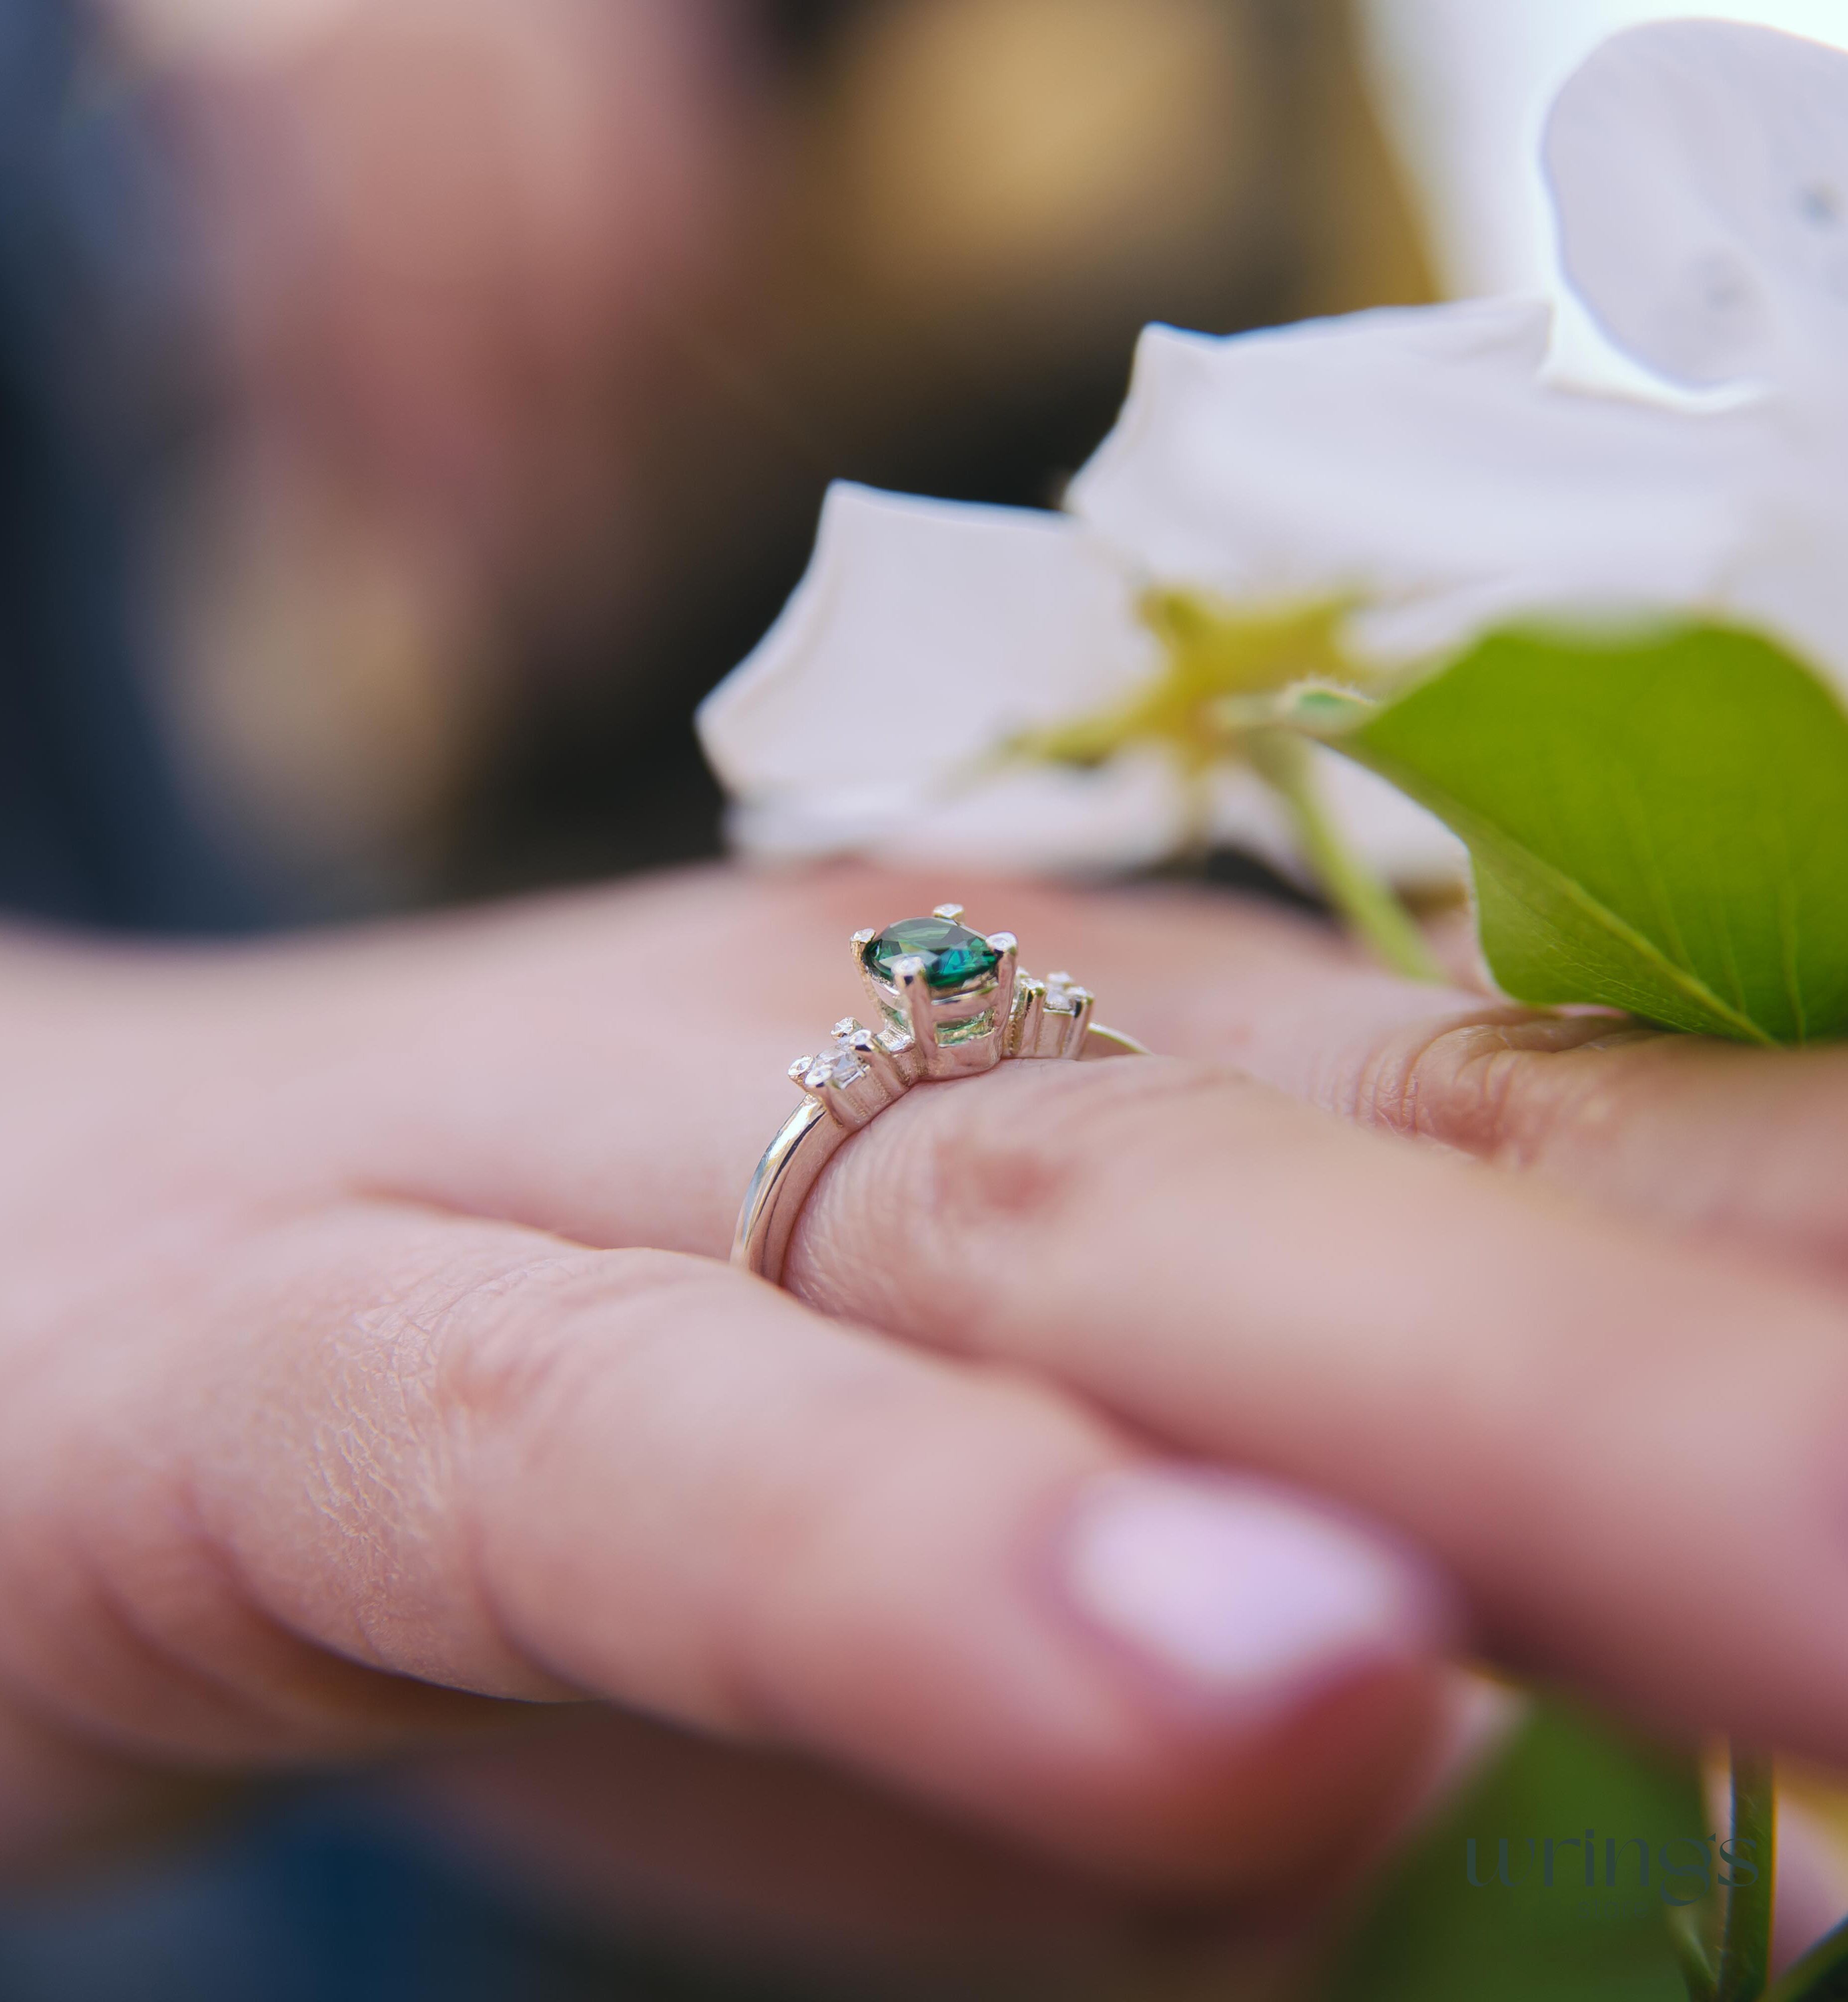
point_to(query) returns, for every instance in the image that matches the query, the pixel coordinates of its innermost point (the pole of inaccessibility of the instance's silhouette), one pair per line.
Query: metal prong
(953, 912)
(914, 995)
(858, 944)
(1006, 975)
(1029, 1013)
(823, 1094)
(850, 1102)
(881, 1062)
(1066, 1022)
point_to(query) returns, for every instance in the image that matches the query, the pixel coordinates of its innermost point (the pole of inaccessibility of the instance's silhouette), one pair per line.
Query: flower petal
(1794, 583)
(1040, 819)
(1700, 172)
(1412, 459)
(925, 635)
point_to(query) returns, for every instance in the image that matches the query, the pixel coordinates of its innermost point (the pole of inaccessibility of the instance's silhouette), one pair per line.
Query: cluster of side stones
(1064, 995)
(842, 1062)
(838, 1063)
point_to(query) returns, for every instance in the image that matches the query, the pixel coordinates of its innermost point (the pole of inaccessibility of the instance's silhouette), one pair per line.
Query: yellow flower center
(1221, 667)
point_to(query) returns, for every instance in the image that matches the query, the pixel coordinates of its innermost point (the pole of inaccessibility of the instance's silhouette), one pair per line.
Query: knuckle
(513, 1343)
(963, 1191)
(1031, 1157)
(1508, 1088)
(1064, 1144)
(1449, 1083)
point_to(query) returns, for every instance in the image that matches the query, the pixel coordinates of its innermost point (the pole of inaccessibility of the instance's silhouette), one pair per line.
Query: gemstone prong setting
(948, 1002)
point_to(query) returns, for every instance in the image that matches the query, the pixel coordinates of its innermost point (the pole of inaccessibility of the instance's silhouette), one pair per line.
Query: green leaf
(1658, 821)
(1432, 1935)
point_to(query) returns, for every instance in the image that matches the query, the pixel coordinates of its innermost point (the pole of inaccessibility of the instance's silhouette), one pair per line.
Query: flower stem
(1285, 762)
(1745, 1945)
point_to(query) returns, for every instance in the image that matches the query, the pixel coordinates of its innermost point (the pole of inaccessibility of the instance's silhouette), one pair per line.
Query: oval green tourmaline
(954, 957)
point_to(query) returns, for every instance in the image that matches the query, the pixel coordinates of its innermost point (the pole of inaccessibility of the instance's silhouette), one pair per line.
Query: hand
(334, 1428)
(1608, 1393)
(304, 1391)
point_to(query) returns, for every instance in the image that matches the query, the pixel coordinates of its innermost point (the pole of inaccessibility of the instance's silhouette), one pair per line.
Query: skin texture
(371, 1382)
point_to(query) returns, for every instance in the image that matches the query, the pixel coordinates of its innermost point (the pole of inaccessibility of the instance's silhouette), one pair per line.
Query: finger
(327, 1478)
(609, 1066)
(1628, 1449)
(1710, 1138)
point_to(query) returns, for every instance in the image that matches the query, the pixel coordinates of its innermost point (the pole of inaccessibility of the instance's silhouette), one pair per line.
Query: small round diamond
(954, 957)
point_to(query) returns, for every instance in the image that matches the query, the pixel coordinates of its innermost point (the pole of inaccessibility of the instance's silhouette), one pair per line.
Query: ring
(950, 1002)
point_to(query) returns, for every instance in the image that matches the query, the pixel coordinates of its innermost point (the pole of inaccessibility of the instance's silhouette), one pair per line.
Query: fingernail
(1235, 1588)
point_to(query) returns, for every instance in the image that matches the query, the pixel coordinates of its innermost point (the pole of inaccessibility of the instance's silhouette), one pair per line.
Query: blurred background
(409, 408)
(453, 382)
(413, 406)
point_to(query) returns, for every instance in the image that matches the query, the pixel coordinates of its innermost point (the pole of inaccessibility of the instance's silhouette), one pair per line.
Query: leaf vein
(1687, 983)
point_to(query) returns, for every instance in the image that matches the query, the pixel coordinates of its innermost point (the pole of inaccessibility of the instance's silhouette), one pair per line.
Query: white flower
(1414, 465)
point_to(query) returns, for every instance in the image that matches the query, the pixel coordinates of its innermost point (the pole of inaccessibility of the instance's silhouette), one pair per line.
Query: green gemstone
(954, 957)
